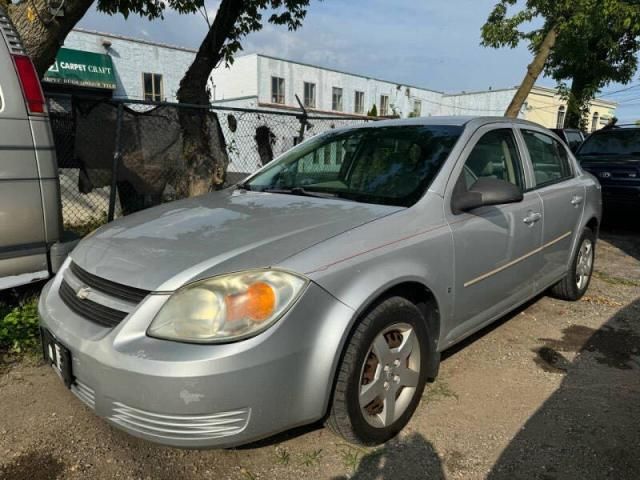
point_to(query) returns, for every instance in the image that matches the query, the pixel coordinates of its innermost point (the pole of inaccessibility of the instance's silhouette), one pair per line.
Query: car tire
(388, 352)
(575, 284)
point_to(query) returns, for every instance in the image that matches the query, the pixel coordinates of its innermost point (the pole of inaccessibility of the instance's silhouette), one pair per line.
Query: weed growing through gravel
(439, 390)
(283, 456)
(19, 327)
(311, 458)
(613, 280)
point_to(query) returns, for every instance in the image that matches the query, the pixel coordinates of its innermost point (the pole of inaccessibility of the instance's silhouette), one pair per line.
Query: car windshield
(612, 142)
(385, 165)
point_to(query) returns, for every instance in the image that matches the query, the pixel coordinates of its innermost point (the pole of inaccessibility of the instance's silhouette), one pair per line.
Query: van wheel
(575, 284)
(382, 375)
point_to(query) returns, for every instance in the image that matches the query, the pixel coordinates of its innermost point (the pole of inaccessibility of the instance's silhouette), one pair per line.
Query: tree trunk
(534, 69)
(42, 34)
(577, 103)
(204, 148)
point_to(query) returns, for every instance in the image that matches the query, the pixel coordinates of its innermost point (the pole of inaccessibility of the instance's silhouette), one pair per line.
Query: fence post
(114, 167)
(303, 120)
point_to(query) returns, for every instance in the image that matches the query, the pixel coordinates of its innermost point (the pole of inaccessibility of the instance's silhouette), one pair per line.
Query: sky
(435, 45)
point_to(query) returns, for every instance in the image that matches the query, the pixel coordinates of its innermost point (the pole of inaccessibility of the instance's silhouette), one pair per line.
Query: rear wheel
(382, 375)
(575, 284)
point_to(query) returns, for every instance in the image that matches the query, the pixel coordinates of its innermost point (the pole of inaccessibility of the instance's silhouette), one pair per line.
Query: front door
(495, 246)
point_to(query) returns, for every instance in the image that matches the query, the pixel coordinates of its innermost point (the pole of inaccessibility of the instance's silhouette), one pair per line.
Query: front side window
(336, 99)
(359, 103)
(385, 165)
(309, 95)
(384, 105)
(548, 156)
(277, 90)
(152, 85)
(494, 156)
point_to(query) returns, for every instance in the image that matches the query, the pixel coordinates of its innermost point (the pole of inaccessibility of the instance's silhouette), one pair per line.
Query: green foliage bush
(19, 327)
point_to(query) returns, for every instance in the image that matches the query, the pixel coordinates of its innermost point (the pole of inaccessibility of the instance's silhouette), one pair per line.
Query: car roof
(459, 120)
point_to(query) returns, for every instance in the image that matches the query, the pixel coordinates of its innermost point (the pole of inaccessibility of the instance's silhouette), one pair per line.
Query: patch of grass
(19, 326)
(282, 456)
(85, 228)
(248, 474)
(350, 458)
(311, 458)
(438, 391)
(613, 280)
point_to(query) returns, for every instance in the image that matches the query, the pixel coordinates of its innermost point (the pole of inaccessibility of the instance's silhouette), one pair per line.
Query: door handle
(532, 218)
(576, 200)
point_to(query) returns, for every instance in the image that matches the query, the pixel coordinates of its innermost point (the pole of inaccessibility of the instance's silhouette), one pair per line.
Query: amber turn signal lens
(257, 304)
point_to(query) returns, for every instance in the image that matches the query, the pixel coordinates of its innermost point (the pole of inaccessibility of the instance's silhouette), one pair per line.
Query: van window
(548, 156)
(494, 156)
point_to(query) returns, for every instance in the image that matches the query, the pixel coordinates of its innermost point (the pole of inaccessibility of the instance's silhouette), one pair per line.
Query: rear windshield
(384, 165)
(612, 142)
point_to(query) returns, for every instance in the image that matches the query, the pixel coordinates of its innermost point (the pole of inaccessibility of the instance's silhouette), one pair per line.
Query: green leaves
(19, 330)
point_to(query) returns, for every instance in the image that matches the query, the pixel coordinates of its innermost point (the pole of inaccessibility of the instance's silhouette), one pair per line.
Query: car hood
(609, 160)
(162, 248)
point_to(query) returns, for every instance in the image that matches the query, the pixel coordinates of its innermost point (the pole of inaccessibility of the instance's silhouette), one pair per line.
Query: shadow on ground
(621, 228)
(32, 466)
(589, 427)
(413, 457)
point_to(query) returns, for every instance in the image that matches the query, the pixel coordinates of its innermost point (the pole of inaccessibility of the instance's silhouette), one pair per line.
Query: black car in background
(571, 136)
(613, 155)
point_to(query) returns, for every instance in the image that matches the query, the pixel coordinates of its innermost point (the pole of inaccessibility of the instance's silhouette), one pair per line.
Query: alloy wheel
(584, 264)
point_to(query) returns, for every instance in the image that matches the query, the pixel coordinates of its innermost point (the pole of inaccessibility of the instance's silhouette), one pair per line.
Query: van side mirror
(486, 191)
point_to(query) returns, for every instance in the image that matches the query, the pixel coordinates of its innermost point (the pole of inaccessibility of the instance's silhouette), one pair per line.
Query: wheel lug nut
(396, 363)
(396, 379)
(387, 368)
(386, 385)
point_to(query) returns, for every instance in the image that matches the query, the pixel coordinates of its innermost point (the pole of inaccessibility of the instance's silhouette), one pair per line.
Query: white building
(261, 81)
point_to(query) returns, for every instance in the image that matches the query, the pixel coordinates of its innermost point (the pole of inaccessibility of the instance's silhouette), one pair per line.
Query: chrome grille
(117, 290)
(180, 427)
(105, 316)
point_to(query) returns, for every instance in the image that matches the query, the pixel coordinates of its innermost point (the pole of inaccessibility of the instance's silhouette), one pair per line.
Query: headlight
(227, 308)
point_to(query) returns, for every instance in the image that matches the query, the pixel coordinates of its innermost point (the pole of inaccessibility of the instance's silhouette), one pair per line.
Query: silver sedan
(323, 287)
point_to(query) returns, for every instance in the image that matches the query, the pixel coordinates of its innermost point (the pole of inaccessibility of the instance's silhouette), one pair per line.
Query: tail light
(31, 89)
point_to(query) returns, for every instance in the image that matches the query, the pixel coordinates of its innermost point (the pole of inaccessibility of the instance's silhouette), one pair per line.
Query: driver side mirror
(486, 191)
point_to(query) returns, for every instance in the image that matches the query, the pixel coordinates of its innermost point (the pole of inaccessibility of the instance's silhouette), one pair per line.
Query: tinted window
(548, 156)
(387, 165)
(612, 142)
(574, 139)
(494, 156)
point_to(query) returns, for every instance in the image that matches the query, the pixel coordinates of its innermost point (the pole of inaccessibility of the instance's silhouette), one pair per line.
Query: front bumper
(199, 396)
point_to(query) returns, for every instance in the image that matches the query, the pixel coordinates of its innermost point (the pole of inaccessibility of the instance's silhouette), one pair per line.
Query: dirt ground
(550, 392)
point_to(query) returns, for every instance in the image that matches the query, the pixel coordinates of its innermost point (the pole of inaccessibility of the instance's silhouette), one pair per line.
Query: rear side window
(549, 158)
(494, 156)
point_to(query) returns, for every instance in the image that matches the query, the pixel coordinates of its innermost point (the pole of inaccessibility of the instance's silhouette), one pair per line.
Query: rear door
(562, 200)
(495, 246)
(22, 242)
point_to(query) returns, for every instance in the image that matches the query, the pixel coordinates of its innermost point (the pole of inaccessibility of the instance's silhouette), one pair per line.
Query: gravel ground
(550, 392)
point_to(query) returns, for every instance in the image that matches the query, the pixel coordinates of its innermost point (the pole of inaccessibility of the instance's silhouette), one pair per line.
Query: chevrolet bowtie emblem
(605, 174)
(83, 293)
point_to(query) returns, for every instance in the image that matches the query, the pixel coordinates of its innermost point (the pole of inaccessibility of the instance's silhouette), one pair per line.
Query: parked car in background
(319, 289)
(613, 155)
(571, 136)
(30, 213)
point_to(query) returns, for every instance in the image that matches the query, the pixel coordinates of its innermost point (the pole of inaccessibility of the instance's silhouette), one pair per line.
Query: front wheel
(382, 375)
(575, 284)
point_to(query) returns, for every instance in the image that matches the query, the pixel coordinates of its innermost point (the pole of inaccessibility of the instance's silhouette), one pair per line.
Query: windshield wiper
(300, 191)
(243, 186)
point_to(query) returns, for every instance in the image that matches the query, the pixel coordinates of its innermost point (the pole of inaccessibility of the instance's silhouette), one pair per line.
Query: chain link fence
(116, 157)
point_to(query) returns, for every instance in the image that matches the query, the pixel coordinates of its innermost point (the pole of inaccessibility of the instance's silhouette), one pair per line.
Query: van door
(495, 246)
(22, 242)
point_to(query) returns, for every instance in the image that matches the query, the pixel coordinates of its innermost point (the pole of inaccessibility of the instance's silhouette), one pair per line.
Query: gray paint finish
(478, 266)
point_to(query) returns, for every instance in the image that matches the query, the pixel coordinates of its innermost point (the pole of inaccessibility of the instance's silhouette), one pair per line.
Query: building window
(594, 122)
(384, 105)
(309, 95)
(561, 114)
(336, 99)
(417, 108)
(277, 90)
(152, 84)
(359, 103)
